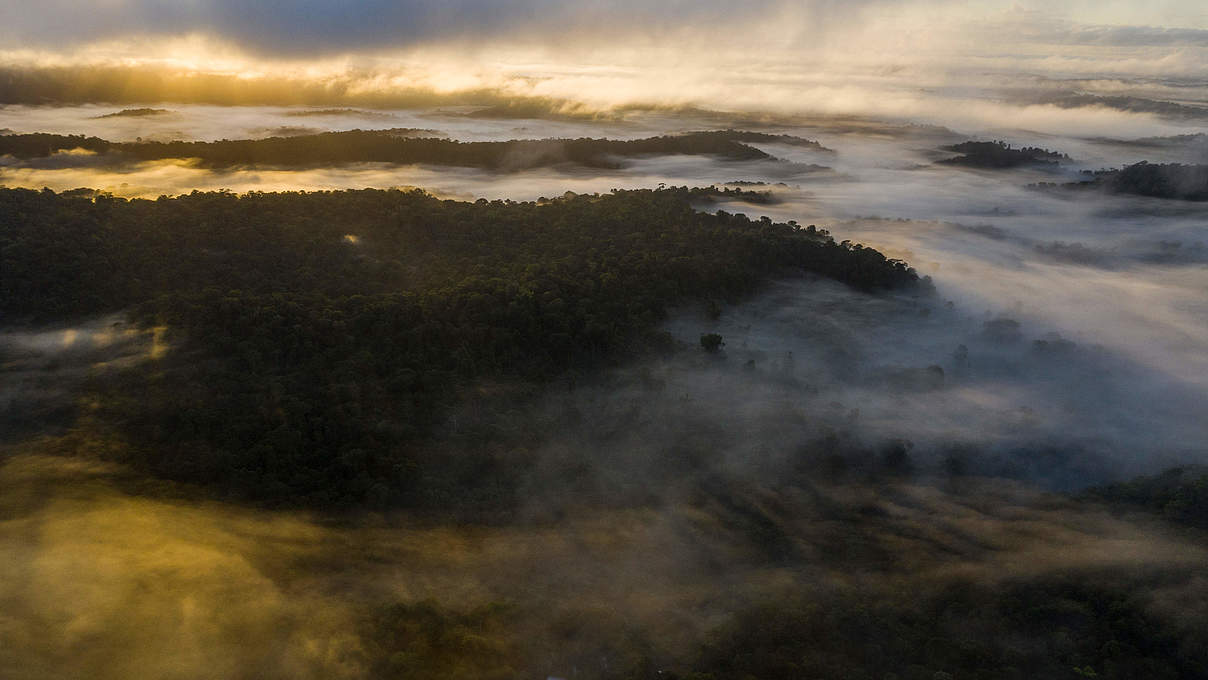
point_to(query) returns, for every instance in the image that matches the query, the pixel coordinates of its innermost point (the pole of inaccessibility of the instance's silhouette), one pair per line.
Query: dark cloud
(300, 28)
(315, 27)
(307, 27)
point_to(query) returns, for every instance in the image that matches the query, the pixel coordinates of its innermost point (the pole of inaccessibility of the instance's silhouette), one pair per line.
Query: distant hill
(360, 113)
(1155, 180)
(1166, 109)
(412, 146)
(137, 113)
(1000, 155)
(1179, 494)
(324, 336)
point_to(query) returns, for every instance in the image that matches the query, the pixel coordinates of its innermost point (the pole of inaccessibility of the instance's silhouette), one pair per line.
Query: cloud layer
(309, 28)
(313, 27)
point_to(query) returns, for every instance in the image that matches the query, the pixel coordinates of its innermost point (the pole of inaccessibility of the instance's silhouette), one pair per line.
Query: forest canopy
(283, 306)
(1000, 155)
(1156, 180)
(408, 146)
(141, 112)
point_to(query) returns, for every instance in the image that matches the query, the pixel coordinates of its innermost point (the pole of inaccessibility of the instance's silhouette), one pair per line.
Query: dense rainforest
(321, 348)
(1179, 494)
(1156, 180)
(408, 146)
(324, 335)
(1055, 627)
(141, 112)
(1000, 155)
(1173, 181)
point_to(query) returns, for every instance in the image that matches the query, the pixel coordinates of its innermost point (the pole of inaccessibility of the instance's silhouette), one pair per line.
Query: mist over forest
(535, 340)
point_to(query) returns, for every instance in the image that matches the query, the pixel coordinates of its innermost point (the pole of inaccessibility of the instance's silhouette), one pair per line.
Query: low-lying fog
(101, 579)
(1082, 317)
(888, 456)
(1012, 393)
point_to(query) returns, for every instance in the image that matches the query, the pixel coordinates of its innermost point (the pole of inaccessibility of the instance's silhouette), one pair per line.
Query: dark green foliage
(748, 137)
(997, 155)
(406, 146)
(1179, 494)
(711, 342)
(424, 641)
(713, 194)
(319, 337)
(1047, 628)
(142, 112)
(1155, 180)
(1090, 624)
(1163, 180)
(41, 144)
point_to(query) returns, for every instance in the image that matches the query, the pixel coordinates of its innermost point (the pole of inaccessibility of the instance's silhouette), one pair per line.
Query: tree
(711, 342)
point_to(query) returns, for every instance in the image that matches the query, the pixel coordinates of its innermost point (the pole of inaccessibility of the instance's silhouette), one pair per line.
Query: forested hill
(318, 336)
(407, 146)
(1156, 180)
(68, 254)
(1000, 155)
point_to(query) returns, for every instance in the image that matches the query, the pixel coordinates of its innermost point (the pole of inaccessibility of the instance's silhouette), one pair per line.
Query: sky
(907, 59)
(317, 27)
(308, 30)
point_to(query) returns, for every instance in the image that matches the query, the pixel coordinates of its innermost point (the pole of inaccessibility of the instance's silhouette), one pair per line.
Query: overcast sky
(917, 59)
(306, 28)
